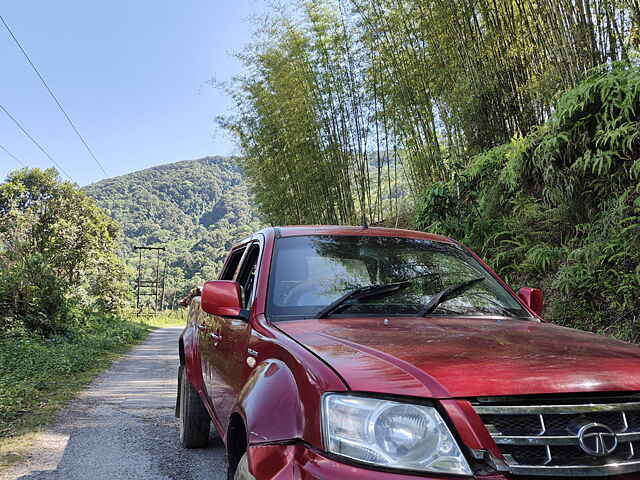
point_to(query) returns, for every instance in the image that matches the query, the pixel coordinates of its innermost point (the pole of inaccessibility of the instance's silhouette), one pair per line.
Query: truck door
(231, 353)
(209, 328)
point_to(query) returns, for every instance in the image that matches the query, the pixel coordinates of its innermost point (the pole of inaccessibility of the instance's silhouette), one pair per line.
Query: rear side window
(247, 275)
(231, 265)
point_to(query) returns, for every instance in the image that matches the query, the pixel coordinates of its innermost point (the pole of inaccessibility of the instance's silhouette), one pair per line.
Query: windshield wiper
(360, 293)
(447, 294)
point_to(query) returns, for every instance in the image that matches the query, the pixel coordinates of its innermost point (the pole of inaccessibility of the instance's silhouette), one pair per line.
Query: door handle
(216, 336)
(202, 327)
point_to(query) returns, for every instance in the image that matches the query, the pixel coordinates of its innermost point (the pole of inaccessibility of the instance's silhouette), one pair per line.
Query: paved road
(123, 427)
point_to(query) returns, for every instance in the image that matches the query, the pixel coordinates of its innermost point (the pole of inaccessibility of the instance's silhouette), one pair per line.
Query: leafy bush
(35, 369)
(560, 208)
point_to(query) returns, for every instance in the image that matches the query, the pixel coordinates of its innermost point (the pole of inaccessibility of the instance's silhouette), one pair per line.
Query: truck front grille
(592, 437)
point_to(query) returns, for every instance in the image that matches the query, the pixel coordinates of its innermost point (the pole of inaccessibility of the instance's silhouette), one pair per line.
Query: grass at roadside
(38, 375)
(166, 319)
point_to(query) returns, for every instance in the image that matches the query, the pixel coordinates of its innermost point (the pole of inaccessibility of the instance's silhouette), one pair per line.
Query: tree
(58, 253)
(336, 91)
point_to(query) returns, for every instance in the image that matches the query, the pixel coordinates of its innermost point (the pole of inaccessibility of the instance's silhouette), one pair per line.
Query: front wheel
(242, 472)
(195, 422)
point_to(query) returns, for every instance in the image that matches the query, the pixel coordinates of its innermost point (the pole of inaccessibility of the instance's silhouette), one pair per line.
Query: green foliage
(421, 87)
(57, 254)
(601, 272)
(196, 209)
(593, 139)
(560, 208)
(40, 372)
(306, 125)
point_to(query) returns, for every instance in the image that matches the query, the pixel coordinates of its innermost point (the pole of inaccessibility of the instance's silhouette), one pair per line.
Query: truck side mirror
(533, 298)
(223, 298)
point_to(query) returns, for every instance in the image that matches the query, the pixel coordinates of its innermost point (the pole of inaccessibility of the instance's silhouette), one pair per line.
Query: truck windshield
(310, 273)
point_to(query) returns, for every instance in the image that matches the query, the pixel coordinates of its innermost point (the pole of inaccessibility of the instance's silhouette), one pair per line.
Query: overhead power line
(19, 125)
(13, 156)
(55, 99)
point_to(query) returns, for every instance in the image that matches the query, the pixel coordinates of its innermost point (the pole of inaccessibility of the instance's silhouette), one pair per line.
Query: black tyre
(195, 422)
(242, 472)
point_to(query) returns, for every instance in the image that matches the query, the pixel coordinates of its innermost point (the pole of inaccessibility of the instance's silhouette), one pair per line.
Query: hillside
(195, 209)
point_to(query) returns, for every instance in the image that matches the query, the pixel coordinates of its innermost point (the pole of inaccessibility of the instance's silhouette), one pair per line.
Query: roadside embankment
(39, 375)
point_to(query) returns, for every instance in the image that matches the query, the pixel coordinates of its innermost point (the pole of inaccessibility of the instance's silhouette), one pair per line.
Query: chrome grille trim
(555, 439)
(577, 470)
(540, 440)
(541, 409)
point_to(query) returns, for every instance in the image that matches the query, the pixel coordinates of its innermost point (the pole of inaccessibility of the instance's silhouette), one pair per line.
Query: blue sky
(132, 75)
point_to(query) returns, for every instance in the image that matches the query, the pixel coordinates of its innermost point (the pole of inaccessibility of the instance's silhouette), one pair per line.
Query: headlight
(390, 434)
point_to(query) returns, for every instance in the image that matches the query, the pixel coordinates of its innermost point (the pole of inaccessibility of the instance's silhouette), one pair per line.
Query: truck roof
(304, 230)
(300, 230)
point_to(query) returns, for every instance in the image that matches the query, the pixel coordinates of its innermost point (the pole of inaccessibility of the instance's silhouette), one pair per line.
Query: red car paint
(303, 463)
(271, 376)
(227, 294)
(435, 357)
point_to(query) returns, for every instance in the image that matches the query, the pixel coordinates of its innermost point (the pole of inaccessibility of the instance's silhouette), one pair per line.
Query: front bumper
(298, 462)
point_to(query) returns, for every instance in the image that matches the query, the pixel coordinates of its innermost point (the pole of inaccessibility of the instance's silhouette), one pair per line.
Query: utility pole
(164, 276)
(152, 286)
(138, 281)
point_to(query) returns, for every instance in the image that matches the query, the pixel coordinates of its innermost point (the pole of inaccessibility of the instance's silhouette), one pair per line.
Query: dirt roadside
(123, 427)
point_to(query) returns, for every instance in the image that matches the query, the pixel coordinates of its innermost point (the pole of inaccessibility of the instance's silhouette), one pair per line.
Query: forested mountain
(196, 209)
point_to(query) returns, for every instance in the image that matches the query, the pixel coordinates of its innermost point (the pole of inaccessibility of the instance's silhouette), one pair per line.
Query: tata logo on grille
(597, 439)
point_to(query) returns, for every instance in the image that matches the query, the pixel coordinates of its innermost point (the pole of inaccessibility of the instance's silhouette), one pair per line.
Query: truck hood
(468, 357)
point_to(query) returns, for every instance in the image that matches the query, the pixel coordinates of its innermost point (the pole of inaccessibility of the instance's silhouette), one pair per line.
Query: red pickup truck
(353, 352)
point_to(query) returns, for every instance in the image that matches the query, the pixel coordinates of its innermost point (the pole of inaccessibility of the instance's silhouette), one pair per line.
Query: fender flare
(270, 404)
